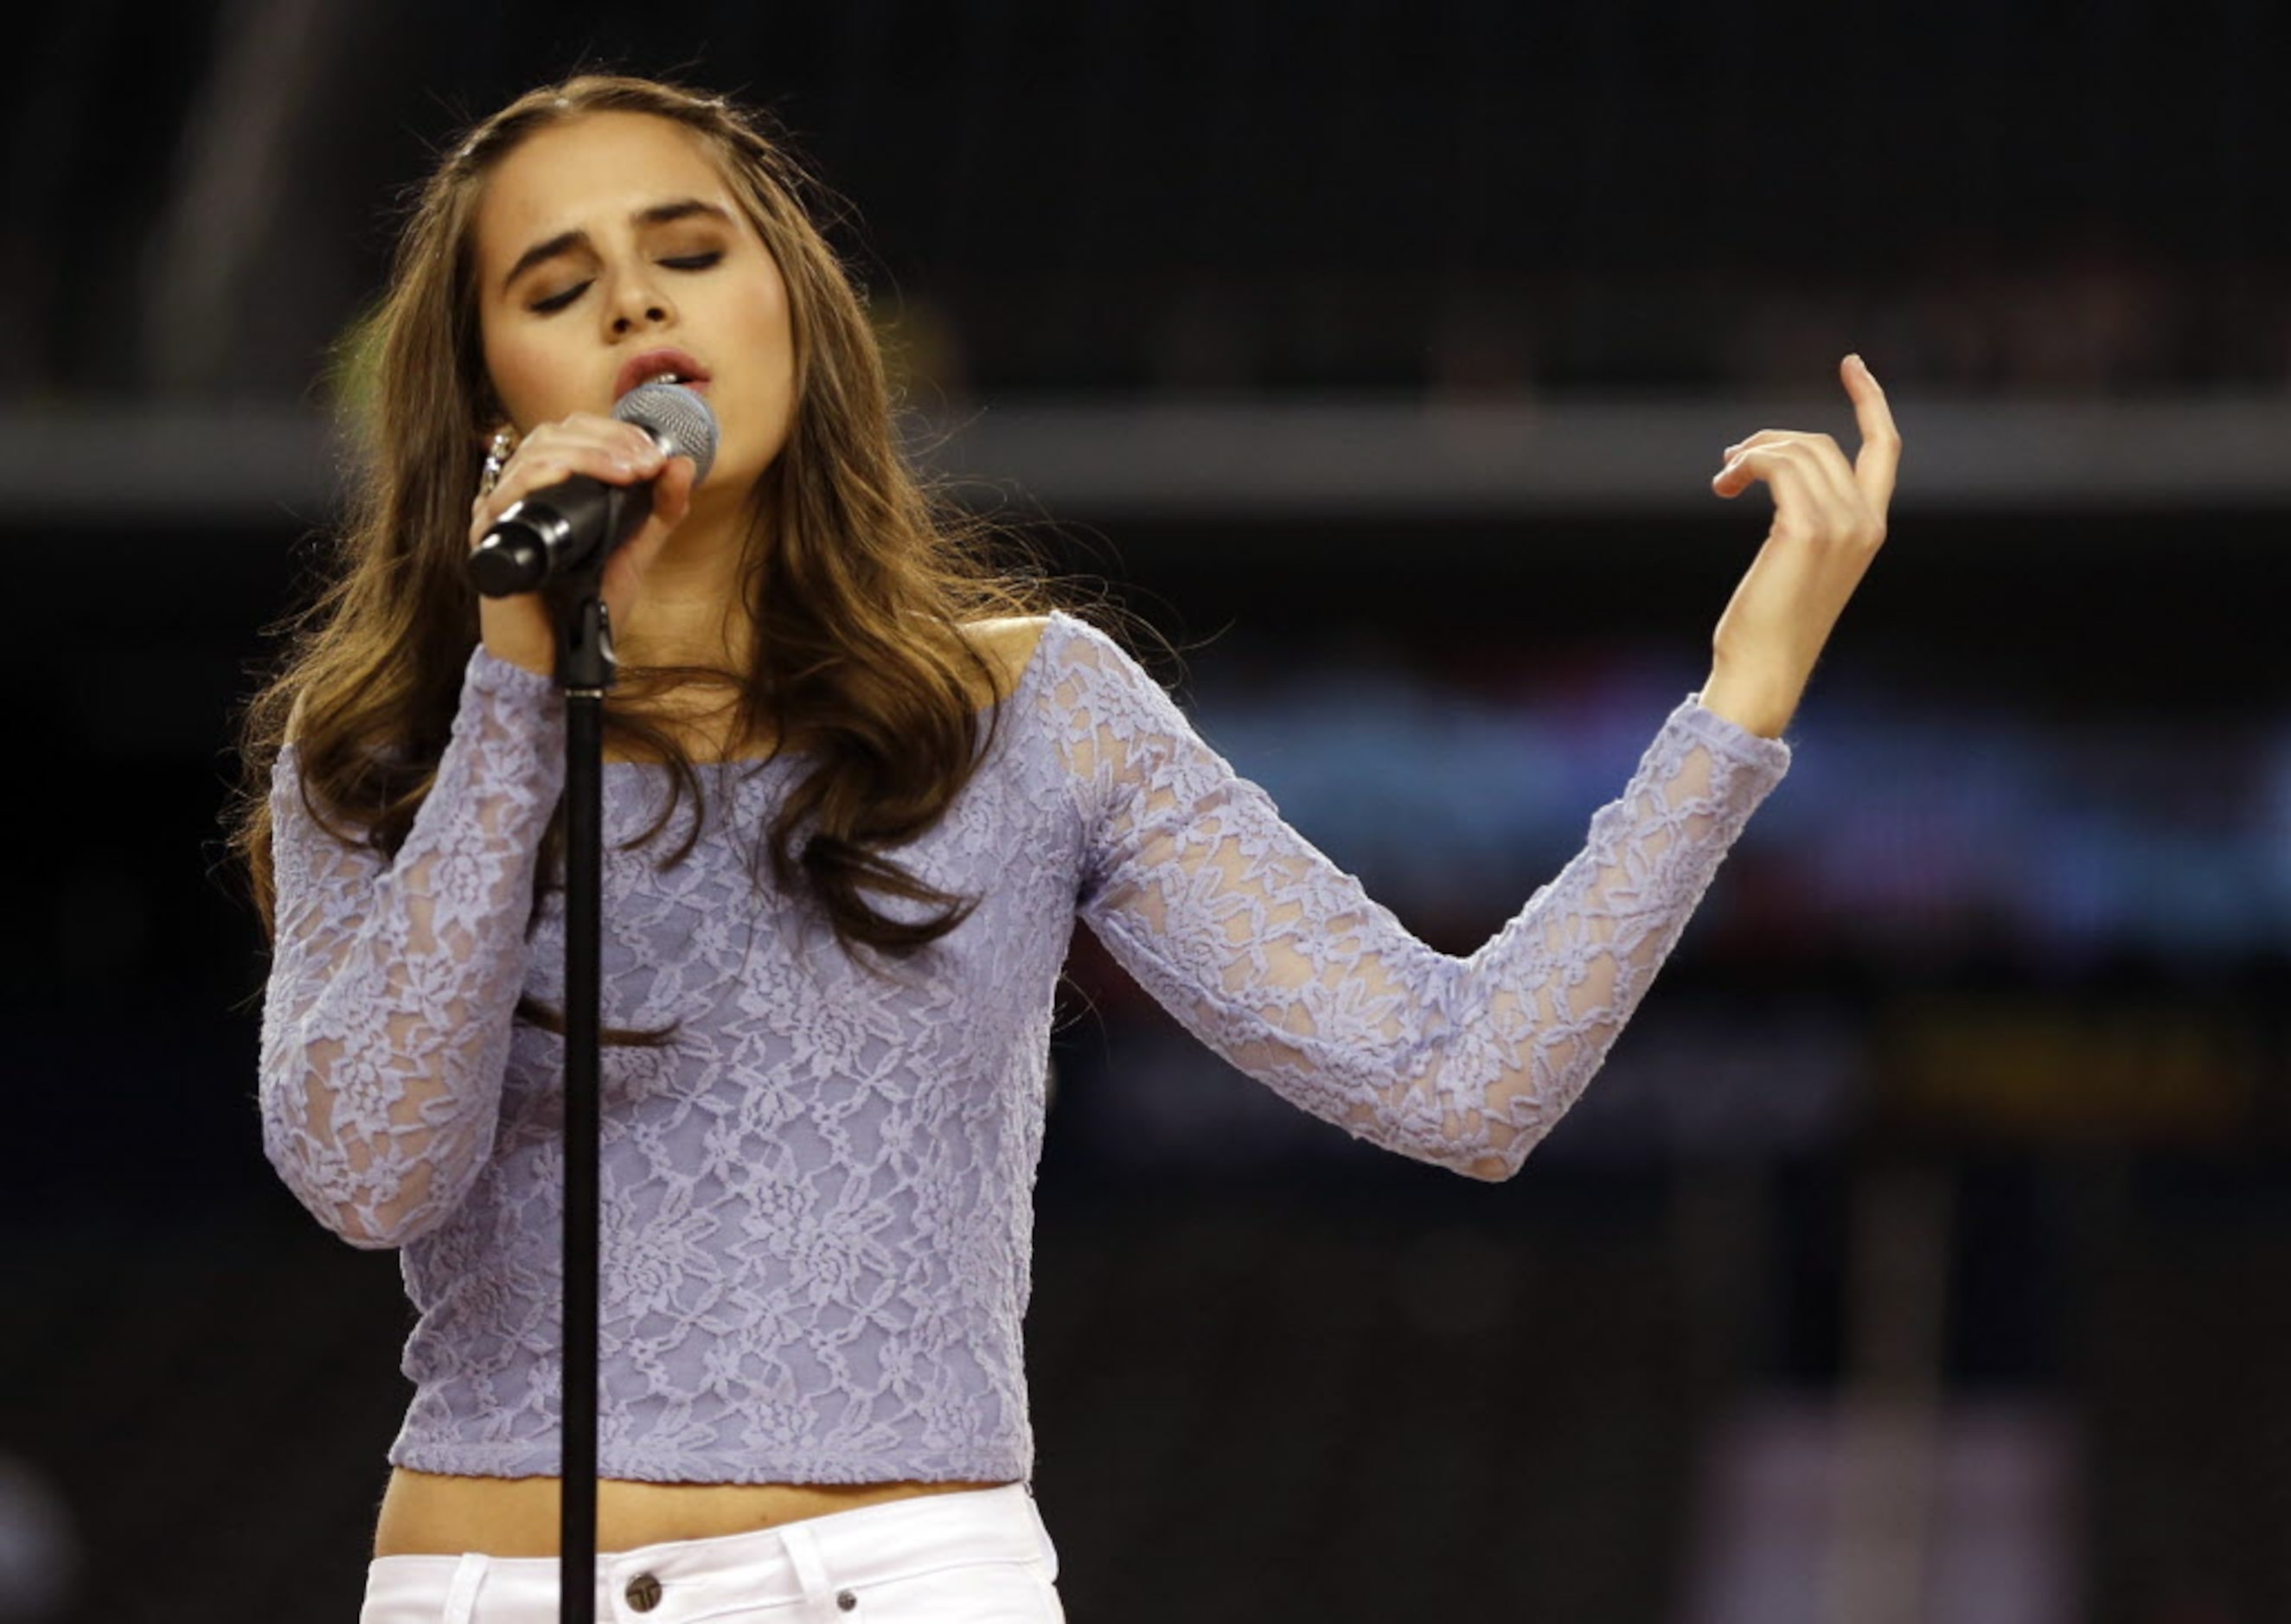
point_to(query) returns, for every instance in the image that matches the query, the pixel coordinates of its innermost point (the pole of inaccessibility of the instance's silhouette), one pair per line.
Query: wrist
(1761, 703)
(526, 639)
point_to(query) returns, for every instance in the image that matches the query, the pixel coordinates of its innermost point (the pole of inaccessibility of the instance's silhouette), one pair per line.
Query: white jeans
(979, 1556)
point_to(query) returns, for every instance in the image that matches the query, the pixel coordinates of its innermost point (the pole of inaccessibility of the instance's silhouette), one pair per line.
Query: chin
(737, 465)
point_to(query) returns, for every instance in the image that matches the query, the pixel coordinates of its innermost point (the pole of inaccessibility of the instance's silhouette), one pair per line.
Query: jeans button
(844, 1601)
(644, 1592)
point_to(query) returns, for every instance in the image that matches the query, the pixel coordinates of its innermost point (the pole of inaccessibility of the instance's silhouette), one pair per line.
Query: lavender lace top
(817, 1192)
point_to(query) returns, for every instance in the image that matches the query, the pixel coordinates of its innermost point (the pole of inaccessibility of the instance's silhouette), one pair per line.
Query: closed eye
(682, 261)
(558, 301)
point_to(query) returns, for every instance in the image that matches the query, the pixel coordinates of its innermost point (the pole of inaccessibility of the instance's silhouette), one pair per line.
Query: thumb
(671, 491)
(672, 500)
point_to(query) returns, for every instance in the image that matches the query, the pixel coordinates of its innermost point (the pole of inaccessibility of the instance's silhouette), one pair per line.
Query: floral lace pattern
(818, 1182)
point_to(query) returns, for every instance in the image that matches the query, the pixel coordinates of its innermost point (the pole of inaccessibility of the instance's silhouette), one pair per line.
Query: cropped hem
(454, 1460)
(1750, 749)
(488, 673)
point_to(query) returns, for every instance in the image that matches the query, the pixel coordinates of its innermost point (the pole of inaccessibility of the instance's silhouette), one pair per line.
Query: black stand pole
(584, 671)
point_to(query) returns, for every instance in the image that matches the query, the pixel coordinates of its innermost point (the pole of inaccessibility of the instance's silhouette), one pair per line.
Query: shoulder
(1009, 644)
(1081, 653)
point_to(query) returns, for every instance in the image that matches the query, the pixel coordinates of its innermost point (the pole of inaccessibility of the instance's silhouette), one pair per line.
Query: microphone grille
(675, 416)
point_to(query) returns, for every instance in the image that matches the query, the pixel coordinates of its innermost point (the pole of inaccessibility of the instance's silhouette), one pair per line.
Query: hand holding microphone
(577, 491)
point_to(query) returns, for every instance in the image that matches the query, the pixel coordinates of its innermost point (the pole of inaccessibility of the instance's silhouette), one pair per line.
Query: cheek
(521, 378)
(771, 331)
(769, 394)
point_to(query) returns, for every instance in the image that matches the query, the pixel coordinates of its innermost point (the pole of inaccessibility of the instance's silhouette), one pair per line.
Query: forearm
(1535, 1011)
(1758, 698)
(1279, 962)
(392, 986)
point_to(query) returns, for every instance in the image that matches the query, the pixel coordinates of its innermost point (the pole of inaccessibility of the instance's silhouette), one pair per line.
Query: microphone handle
(554, 532)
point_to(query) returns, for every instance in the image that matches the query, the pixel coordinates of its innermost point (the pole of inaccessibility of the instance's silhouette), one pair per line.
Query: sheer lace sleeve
(386, 1021)
(1279, 961)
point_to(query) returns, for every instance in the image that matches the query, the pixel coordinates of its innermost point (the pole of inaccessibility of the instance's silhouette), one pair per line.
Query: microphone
(579, 521)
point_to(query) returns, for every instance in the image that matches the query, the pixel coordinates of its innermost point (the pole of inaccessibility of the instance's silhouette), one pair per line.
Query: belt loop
(811, 1570)
(461, 1595)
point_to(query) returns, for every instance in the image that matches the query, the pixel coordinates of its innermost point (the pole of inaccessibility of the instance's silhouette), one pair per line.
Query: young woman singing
(858, 792)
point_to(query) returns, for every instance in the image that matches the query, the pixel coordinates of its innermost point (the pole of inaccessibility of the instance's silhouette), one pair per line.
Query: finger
(1880, 459)
(1761, 457)
(625, 443)
(1819, 444)
(1781, 436)
(671, 493)
(1764, 437)
(589, 425)
(1734, 475)
(609, 458)
(1803, 499)
(1824, 461)
(1833, 504)
(602, 448)
(586, 430)
(672, 501)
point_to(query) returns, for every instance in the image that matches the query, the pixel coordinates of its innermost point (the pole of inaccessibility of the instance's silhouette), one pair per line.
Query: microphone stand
(584, 671)
(516, 554)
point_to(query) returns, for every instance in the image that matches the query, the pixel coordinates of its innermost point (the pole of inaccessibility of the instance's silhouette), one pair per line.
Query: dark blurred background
(1921, 1253)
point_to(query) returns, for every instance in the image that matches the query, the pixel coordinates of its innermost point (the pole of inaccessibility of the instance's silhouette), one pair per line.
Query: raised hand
(1829, 519)
(520, 629)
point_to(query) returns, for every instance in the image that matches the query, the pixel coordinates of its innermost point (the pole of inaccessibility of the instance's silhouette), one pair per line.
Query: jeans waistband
(684, 1580)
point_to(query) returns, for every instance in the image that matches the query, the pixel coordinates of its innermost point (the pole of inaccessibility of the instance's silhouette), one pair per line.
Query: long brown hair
(859, 656)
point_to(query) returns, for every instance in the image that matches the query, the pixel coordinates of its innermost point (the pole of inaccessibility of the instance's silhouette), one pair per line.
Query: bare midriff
(426, 1515)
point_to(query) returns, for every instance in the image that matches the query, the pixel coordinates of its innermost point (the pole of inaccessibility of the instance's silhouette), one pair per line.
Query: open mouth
(661, 367)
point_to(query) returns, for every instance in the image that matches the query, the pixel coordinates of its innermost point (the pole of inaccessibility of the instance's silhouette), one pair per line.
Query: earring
(497, 454)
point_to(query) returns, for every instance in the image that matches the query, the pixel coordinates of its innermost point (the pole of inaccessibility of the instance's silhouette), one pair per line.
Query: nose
(636, 303)
(625, 321)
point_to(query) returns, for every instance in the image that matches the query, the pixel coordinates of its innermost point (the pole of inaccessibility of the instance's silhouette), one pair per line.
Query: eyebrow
(566, 242)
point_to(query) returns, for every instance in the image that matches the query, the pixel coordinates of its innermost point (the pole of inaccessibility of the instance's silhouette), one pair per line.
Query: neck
(691, 610)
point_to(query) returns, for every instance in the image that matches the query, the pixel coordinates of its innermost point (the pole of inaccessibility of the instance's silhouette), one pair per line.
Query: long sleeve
(1280, 961)
(386, 1021)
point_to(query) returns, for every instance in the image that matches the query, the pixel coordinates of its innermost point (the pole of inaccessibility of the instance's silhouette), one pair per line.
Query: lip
(649, 365)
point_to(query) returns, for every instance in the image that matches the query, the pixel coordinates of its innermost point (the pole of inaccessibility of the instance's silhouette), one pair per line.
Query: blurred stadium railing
(1392, 347)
